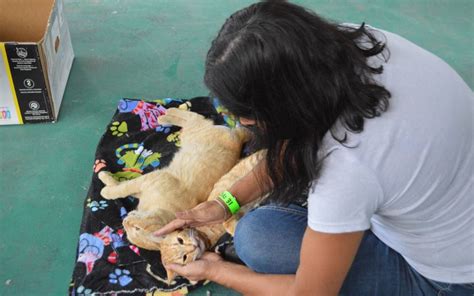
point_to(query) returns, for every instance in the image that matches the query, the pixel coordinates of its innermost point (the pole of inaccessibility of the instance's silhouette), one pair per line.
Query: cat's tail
(114, 189)
(178, 117)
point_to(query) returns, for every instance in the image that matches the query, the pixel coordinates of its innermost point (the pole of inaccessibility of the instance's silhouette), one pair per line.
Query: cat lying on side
(208, 152)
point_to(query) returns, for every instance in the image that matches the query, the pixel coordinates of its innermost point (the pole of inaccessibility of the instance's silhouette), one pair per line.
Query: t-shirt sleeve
(344, 197)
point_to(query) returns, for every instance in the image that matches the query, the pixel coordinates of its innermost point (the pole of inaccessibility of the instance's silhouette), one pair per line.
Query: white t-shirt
(409, 177)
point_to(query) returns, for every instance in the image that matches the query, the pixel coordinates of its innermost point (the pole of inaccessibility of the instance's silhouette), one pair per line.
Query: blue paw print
(97, 205)
(163, 128)
(121, 276)
(83, 291)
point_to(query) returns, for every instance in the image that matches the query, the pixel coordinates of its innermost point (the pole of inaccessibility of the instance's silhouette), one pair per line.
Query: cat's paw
(178, 117)
(107, 179)
(165, 119)
(133, 222)
(137, 227)
(109, 193)
(130, 226)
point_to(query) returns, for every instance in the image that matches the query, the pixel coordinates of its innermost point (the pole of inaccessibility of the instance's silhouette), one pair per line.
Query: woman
(376, 132)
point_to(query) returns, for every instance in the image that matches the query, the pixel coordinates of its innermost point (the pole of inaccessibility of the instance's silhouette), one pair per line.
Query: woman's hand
(199, 269)
(209, 212)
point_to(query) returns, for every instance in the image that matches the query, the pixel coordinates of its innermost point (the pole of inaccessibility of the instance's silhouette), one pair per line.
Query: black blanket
(133, 144)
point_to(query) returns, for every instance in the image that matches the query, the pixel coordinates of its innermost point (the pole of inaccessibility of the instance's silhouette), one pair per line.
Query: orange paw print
(99, 165)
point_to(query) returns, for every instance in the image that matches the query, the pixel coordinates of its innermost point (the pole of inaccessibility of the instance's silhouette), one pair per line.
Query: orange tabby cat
(207, 152)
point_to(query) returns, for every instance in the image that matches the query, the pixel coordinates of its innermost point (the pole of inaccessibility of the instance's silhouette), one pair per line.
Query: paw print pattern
(120, 276)
(99, 164)
(82, 291)
(97, 205)
(185, 106)
(174, 137)
(119, 128)
(123, 213)
(163, 129)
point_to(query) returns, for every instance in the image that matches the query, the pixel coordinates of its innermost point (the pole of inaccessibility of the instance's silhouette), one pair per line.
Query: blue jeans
(268, 240)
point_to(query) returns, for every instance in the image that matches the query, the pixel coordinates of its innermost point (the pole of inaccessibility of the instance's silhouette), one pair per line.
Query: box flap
(24, 20)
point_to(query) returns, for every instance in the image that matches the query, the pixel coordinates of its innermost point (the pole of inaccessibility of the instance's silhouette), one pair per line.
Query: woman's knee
(269, 239)
(250, 240)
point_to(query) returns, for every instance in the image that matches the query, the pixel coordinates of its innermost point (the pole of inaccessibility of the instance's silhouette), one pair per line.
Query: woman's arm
(242, 279)
(325, 259)
(235, 276)
(324, 262)
(253, 185)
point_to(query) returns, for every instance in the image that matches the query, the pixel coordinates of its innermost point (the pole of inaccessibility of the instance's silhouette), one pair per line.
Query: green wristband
(230, 201)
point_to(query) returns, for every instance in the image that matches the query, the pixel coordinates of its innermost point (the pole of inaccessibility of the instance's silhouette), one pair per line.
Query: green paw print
(119, 128)
(174, 137)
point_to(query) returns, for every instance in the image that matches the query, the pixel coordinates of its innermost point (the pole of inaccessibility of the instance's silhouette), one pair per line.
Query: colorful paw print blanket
(133, 144)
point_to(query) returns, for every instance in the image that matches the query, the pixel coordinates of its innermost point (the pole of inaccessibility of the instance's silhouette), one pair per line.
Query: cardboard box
(36, 56)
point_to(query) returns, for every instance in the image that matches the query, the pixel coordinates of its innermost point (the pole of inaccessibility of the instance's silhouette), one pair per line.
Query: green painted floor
(150, 49)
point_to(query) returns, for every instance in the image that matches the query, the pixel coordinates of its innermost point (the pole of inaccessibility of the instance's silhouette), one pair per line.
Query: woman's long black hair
(295, 74)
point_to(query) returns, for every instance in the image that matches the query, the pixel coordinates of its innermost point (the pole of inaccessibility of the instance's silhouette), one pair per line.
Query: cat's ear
(170, 276)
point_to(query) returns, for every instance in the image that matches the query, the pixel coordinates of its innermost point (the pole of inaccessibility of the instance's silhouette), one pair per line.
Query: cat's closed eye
(180, 240)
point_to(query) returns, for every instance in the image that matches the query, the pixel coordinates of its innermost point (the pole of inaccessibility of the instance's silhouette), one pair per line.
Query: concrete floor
(148, 49)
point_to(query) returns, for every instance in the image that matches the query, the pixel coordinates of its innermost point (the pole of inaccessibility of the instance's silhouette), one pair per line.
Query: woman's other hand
(209, 212)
